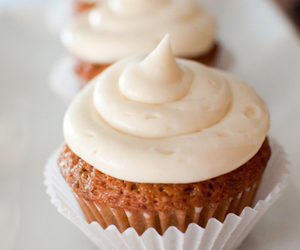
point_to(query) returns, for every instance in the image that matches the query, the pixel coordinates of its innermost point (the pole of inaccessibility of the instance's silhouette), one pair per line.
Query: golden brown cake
(105, 199)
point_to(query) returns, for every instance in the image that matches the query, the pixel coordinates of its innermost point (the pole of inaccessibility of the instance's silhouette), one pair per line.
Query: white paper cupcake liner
(215, 236)
(63, 81)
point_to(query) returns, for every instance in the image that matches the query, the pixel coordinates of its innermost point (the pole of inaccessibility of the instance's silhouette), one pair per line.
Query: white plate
(261, 47)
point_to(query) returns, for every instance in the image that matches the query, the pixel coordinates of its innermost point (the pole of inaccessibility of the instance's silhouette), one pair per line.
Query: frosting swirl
(118, 28)
(158, 119)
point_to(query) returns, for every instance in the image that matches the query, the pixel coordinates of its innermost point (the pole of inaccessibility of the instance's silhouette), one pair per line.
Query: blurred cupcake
(119, 28)
(155, 142)
(80, 6)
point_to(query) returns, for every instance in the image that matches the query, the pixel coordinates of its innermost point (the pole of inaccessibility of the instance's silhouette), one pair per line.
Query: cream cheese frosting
(119, 28)
(158, 119)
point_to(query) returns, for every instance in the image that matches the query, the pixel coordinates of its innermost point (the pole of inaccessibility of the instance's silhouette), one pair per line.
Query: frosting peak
(161, 63)
(164, 97)
(157, 79)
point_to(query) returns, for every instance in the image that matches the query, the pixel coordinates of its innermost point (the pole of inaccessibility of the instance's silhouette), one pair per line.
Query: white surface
(261, 48)
(7, 3)
(63, 80)
(216, 235)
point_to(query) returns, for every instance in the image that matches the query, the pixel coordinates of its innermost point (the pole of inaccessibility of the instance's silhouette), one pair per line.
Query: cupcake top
(157, 119)
(119, 28)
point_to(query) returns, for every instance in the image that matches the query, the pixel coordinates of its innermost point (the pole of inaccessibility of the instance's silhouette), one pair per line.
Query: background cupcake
(119, 28)
(147, 160)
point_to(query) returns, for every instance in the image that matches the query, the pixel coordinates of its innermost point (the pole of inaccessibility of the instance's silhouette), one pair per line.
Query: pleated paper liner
(161, 221)
(227, 231)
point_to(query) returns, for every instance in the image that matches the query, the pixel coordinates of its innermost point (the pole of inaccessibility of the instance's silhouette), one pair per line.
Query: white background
(7, 3)
(261, 48)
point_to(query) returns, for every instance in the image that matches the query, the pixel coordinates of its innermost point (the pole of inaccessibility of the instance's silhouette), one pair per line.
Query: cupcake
(119, 28)
(157, 142)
